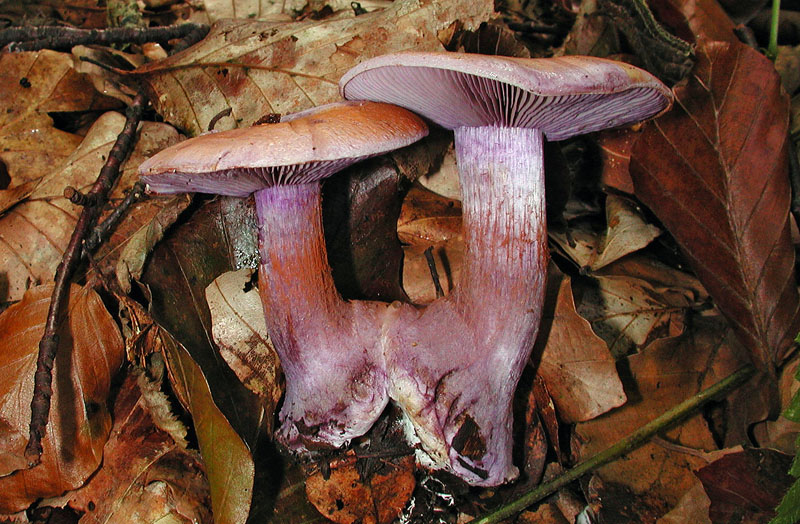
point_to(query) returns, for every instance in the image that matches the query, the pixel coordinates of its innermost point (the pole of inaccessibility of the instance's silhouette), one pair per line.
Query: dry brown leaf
(576, 365)
(692, 507)
(147, 472)
(629, 312)
(444, 181)
(714, 170)
(345, 498)
(240, 331)
(33, 85)
(126, 252)
(615, 157)
(626, 233)
(667, 372)
(90, 352)
(34, 233)
(255, 68)
(781, 434)
(428, 218)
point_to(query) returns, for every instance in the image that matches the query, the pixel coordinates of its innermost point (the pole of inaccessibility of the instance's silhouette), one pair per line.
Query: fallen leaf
(444, 181)
(417, 277)
(576, 364)
(655, 383)
(692, 507)
(147, 474)
(615, 157)
(626, 232)
(345, 498)
(781, 434)
(255, 68)
(591, 34)
(35, 84)
(705, 18)
(210, 11)
(90, 352)
(628, 313)
(240, 332)
(747, 486)
(428, 218)
(34, 233)
(721, 189)
(227, 458)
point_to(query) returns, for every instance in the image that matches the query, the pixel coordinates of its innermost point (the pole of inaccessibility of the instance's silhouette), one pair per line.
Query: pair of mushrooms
(452, 366)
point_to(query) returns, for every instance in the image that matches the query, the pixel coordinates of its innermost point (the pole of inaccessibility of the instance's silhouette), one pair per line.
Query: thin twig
(626, 445)
(98, 194)
(56, 37)
(434, 272)
(101, 233)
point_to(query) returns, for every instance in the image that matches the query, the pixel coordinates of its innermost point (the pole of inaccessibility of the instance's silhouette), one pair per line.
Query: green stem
(624, 446)
(772, 48)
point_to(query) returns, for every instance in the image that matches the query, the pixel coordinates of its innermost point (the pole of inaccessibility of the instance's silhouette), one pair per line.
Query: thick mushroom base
(330, 350)
(453, 366)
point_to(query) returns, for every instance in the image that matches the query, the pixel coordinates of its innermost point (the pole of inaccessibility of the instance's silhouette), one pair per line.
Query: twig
(626, 445)
(101, 233)
(42, 388)
(434, 273)
(56, 37)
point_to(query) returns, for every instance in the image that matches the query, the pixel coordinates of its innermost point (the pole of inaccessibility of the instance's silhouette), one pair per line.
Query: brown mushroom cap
(302, 148)
(562, 96)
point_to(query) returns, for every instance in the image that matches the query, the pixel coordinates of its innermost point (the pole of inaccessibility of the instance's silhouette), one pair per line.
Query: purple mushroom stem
(454, 365)
(329, 348)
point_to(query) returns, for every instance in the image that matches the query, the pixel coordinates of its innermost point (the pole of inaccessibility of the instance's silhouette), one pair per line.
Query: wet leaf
(147, 473)
(746, 487)
(34, 233)
(255, 68)
(346, 498)
(667, 372)
(576, 365)
(90, 352)
(714, 170)
(241, 334)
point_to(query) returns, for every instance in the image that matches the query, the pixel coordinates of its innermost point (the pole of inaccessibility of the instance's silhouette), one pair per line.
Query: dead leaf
(692, 507)
(747, 486)
(444, 180)
(781, 434)
(240, 332)
(427, 218)
(34, 233)
(227, 458)
(628, 312)
(667, 372)
(591, 34)
(89, 354)
(615, 156)
(35, 84)
(705, 18)
(714, 170)
(626, 232)
(576, 365)
(147, 474)
(345, 498)
(126, 251)
(255, 68)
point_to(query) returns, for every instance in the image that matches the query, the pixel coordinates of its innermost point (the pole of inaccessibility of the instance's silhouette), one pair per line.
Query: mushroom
(454, 365)
(330, 349)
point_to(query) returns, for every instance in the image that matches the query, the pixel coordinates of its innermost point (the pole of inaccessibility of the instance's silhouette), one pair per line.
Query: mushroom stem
(456, 388)
(329, 348)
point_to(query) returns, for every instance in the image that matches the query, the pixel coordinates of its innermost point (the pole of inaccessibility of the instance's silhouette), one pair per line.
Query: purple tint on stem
(330, 349)
(454, 365)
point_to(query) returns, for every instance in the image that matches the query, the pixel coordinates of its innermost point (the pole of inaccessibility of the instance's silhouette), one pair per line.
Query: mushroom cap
(563, 96)
(302, 148)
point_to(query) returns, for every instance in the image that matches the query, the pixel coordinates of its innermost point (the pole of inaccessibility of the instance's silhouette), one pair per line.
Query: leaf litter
(637, 337)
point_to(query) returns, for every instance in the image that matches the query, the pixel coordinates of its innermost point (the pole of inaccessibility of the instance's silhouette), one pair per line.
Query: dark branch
(55, 37)
(97, 196)
(434, 272)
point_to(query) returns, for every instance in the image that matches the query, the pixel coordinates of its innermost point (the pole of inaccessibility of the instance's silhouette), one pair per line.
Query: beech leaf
(147, 473)
(714, 170)
(90, 352)
(255, 68)
(576, 365)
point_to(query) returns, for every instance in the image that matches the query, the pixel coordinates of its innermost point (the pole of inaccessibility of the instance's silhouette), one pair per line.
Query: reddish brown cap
(562, 96)
(302, 148)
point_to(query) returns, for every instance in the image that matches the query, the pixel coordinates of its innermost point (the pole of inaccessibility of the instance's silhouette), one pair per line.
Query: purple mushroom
(454, 365)
(330, 349)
